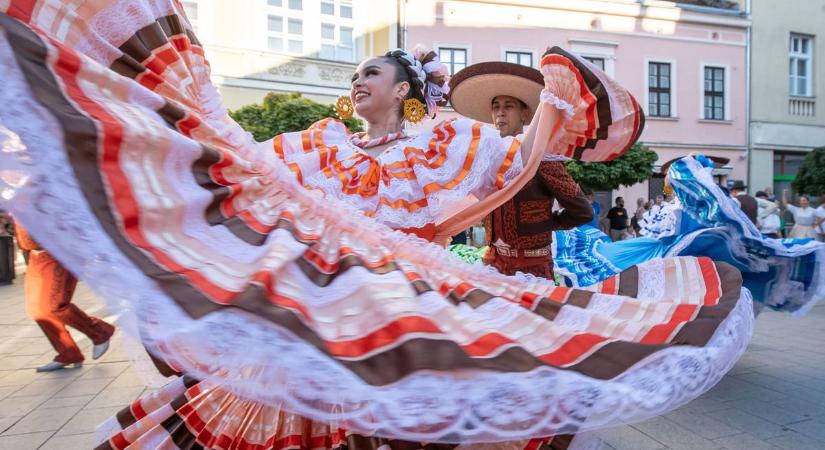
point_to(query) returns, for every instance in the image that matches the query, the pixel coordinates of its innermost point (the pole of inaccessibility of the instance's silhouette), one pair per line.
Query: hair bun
(431, 76)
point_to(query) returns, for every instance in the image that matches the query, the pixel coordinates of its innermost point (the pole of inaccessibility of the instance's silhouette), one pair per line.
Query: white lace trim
(651, 280)
(551, 98)
(550, 157)
(604, 304)
(573, 317)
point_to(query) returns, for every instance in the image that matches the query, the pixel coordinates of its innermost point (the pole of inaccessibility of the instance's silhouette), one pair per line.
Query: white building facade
(309, 46)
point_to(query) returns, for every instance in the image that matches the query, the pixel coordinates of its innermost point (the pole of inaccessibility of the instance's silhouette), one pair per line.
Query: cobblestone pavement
(773, 398)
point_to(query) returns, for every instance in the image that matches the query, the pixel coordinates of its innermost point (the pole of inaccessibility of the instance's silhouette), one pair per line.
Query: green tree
(283, 113)
(811, 177)
(634, 166)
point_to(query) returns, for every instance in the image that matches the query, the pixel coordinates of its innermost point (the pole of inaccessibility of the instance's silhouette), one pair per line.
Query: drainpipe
(404, 26)
(401, 23)
(748, 61)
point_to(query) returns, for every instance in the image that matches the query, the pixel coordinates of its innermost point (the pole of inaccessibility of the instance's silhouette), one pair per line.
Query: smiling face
(375, 91)
(509, 115)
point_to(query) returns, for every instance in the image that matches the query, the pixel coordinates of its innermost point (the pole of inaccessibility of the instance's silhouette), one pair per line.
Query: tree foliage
(628, 169)
(284, 113)
(811, 176)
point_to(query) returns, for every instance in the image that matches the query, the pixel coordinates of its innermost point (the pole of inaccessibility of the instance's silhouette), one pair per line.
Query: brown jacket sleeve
(576, 209)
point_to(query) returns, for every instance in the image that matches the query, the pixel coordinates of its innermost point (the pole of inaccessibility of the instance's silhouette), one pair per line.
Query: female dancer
(804, 217)
(268, 271)
(787, 275)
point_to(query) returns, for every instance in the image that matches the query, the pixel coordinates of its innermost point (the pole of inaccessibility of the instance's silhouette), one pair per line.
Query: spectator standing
(618, 220)
(746, 202)
(769, 192)
(804, 217)
(820, 220)
(642, 206)
(768, 216)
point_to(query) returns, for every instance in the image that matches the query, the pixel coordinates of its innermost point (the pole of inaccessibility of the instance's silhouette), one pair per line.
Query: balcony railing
(805, 107)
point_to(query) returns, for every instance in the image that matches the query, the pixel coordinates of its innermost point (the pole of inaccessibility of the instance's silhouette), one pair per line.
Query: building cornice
(283, 57)
(781, 147)
(323, 76)
(696, 146)
(653, 9)
(789, 124)
(275, 85)
(786, 136)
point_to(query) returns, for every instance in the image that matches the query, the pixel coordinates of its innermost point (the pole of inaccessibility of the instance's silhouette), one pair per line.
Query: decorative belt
(526, 253)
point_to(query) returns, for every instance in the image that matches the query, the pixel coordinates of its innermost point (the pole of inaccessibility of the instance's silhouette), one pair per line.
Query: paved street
(773, 398)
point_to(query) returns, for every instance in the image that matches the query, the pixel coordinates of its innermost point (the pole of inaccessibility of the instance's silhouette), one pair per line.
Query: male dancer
(520, 231)
(49, 289)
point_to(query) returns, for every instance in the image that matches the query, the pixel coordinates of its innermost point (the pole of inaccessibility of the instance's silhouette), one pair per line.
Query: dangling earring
(343, 107)
(414, 110)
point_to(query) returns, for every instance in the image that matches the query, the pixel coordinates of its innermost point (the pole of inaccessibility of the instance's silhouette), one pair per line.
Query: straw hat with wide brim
(473, 88)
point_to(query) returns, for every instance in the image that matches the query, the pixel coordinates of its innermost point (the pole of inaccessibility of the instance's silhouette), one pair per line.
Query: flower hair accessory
(433, 76)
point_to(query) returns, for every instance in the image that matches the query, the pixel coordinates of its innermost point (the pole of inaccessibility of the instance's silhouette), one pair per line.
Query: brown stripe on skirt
(139, 47)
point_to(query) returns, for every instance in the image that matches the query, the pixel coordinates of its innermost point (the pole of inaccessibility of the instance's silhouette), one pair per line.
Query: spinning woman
(268, 274)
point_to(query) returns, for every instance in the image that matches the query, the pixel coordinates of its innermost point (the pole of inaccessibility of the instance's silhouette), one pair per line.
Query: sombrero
(473, 88)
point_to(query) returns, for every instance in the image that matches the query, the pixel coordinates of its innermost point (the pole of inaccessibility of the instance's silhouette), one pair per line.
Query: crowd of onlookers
(618, 223)
(775, 218)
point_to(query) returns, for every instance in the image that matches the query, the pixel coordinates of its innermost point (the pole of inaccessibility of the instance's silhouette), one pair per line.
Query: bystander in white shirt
(820, 217)
(768, 218)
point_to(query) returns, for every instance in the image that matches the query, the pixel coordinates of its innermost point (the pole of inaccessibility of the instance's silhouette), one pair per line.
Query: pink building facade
(685, 64)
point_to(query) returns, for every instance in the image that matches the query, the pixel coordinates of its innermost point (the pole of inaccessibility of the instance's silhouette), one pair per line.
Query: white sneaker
(100, 349)
(56, 365)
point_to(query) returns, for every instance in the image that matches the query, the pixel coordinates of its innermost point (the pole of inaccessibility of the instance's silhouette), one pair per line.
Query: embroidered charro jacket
(524, 225)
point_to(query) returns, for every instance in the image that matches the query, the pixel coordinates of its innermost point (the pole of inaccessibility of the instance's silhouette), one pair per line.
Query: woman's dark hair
(405, 72)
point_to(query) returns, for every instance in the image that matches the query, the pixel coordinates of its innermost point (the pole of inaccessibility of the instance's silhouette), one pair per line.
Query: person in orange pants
(49, 289)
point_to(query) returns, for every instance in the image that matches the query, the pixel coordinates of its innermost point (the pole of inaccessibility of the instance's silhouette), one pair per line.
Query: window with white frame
(323, 29)
(337, 42)
(523, 58)
(275, 32)
(345, 9)
(598, 62)
(714, 105)
(346, 44)
(191, 10)
(659, 98)
(285, 26)
(295, 35)
(454, 58)
(328, 31)
(337, 31)
(601, 54)
(800, 65)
